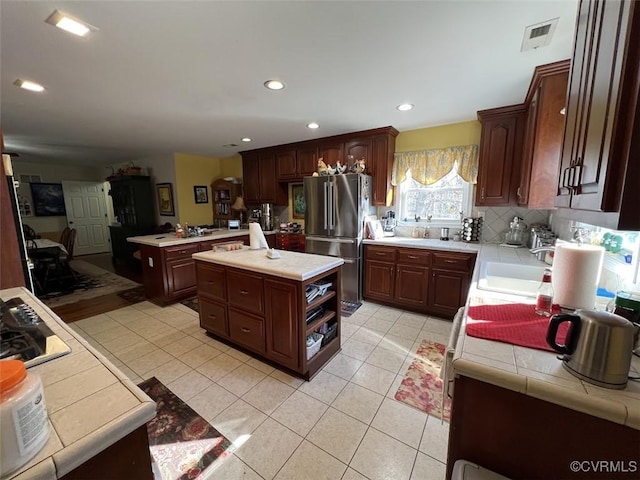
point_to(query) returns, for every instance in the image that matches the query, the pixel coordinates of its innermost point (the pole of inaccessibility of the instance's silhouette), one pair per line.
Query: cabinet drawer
(245, 292)
(206, 245)
(211, 281)
(453, 261)
(213, 317)
(247, 330)
(413, 256)
(382, 254)
(180, 251)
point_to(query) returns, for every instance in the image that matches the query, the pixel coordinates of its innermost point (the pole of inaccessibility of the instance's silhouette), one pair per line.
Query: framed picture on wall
(165, 199)
(201, 194)
(48, 199)
(297, 196)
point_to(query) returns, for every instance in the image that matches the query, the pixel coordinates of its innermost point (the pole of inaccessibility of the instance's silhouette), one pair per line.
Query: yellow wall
(231, 166)
(192, 170)
(465, 133)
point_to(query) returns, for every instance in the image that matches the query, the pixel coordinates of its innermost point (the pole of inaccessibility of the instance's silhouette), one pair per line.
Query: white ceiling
(187, 76)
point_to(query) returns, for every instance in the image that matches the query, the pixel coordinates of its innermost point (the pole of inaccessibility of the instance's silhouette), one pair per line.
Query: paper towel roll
(256, 237)
(576, 273)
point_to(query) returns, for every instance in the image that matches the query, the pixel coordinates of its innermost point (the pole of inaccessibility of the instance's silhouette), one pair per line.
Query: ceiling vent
(538, 35)
(230, 145)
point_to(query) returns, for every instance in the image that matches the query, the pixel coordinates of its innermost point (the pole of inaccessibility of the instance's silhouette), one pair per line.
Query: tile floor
(344, 424)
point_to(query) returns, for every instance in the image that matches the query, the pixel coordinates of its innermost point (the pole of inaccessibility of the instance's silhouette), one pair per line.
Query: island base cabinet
(213, 317)
(282, 323)
(523, 437)
(247, 330)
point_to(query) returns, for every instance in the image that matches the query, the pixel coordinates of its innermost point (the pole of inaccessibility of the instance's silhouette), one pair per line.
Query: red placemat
(514, 323)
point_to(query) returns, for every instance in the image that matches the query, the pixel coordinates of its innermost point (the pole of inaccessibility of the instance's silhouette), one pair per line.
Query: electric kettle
(597, 347)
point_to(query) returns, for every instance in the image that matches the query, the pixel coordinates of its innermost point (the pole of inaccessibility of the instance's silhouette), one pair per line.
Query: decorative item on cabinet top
(357, 166)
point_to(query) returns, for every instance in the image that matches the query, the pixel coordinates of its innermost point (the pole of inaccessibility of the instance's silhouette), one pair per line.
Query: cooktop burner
(25, 336)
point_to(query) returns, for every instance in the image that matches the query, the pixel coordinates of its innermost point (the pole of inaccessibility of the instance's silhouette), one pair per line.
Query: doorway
(86, 207)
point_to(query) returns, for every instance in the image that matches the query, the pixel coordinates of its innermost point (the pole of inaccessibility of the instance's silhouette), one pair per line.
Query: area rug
(192, 303)
(182, 443)
(133, 295)
(92, 282)
(422, 386)
(347, 308)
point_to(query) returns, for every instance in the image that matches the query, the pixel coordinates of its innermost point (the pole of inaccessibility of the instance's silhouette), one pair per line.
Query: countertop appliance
(334, 223)
(25, 336)
(597, 347)
(389, 224)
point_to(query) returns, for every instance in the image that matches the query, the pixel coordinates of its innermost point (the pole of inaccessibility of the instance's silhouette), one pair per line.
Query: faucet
(549, 248)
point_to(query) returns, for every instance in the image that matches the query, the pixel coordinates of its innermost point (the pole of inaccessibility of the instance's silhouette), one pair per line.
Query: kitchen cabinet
(259, 179)
(500, 155)
(599, 176)
(264, 168)
(133, 208)
(543, 137)
(224, 195)
(294, 242)
(169, 273)
(424, 280)
(266, 314)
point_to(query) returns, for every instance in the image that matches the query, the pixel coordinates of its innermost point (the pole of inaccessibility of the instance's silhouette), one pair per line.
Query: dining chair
(29, 233)
(64, 237)
(71, 241)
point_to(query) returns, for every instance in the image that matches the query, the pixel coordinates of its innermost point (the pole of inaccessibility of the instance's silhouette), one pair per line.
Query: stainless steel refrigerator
(336, 206)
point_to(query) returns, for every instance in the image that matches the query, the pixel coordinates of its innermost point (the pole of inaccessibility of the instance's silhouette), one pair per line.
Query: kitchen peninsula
(260, 304)
(168, 271)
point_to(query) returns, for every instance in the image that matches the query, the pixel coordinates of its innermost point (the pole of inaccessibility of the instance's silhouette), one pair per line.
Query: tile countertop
(533, 372)
(170, 239)
(91, 404)
(433, 243)
(292, 265)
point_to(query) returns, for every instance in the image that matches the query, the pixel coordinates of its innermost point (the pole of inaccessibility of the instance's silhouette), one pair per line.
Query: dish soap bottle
(544, 299)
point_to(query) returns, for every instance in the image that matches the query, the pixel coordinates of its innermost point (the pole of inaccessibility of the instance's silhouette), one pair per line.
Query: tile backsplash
(497, 220)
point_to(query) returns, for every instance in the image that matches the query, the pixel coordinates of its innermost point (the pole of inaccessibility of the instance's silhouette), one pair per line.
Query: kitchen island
(259, 304)
(168, 271)
(97, 416)
(518, 412)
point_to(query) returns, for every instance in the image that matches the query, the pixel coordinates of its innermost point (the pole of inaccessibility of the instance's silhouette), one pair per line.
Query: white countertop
(429, 243)
(170, 239)
(533, 372)
(292, 265)
(91, 404)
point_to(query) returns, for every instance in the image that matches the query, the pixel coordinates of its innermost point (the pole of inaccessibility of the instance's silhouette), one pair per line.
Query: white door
(87, 213)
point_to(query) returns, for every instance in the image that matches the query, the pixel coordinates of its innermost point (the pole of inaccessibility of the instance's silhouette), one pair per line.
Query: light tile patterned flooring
(344, 424)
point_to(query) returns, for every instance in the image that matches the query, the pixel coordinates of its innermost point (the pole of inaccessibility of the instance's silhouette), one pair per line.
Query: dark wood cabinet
(282, 322)
(428, 281)
(267, 314)
(546, 100)
(599, 176)
(133, 207)
(266, 170)
(500, 155)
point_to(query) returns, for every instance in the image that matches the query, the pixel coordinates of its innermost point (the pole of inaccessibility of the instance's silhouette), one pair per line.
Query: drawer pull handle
(412, 257)
(244, 292)
(381, 254)
(211, 282)
(211, 315)
(451, 261)
(183, 252)
(245, 330)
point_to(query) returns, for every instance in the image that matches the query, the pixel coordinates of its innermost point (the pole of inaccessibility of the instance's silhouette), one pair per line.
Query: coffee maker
(389, 224)
(266, 216)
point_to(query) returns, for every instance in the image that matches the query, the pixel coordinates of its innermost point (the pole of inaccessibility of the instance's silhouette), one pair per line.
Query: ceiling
(187, 76)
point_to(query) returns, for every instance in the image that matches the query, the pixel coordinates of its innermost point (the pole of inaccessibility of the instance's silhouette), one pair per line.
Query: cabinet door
(286, 165)
(378, 280)
(412, 285)
(500, 155)
(247, 330)
(282, 322)
(331, 153)
(251, 178)
(245, 291)
(267, 169)
(383, 148)
(181, 278)
(211, 281)
(358, 148)
(213, 317)
(307, 160)
(522, 193)
(448, 291)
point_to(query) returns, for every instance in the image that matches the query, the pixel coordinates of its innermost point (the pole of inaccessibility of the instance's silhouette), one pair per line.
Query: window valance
(429, 166)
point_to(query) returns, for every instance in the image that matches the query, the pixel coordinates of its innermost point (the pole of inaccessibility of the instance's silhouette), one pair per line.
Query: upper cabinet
(500, 155)
(602, 130)
(546, 101)
(292, 162)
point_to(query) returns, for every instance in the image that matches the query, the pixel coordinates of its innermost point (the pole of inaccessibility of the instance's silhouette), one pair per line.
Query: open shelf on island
(328, 315)
(323, 355)
(320, 300)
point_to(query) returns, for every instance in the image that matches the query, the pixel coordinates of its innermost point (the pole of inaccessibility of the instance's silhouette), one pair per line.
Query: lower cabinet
(429, 281)
(266, 314)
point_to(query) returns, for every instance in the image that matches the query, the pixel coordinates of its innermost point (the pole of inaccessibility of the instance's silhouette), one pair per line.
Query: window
(443, 200)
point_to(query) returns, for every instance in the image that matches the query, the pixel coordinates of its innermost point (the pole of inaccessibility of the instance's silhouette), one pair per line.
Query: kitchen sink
(513, 278)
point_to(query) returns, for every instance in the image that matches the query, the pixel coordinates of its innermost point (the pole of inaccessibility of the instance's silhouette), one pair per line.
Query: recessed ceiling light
(70, 24)
(246, 139)
(405, 107)
(28, 85)
(274, 84)
(313, 125)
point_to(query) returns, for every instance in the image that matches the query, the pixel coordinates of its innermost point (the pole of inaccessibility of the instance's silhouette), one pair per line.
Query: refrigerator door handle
(330, 240)
(332, 212)
(326, 206)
